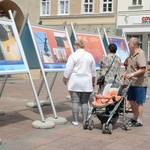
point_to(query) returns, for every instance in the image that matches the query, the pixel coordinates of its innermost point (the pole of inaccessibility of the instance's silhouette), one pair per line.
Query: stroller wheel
(110, 128)
(127, 125)
(104, 128)
(123, 127)
(91, 124)
(85, 125)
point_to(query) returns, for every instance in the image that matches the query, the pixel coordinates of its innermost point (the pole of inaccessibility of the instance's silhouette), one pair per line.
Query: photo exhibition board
(105, 42)
(12, 58)
(53, 46)
(122, 47)
(93, 44)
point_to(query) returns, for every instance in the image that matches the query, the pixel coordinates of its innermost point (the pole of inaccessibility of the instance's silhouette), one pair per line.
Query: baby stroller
(108, 106)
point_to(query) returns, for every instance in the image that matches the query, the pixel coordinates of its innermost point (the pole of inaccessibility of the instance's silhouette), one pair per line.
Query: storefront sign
(141, 19)
(146, 19)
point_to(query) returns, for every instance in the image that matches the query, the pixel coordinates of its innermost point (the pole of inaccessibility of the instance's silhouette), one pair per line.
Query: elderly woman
(111, 63)
(79, 76)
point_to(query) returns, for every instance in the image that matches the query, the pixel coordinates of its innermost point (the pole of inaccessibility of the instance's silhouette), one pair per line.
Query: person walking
(137, 71)
(111, 63)
(79, 75)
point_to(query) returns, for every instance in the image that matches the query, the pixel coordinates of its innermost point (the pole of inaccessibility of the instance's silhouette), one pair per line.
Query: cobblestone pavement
(17, 133)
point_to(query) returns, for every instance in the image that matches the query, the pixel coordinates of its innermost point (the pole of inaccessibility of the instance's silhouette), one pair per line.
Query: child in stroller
(108, 106)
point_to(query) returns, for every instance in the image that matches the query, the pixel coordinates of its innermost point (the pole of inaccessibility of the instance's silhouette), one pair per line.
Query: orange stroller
(108, 107)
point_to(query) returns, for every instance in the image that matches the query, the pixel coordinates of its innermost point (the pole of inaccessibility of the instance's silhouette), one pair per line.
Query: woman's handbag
(101, 79)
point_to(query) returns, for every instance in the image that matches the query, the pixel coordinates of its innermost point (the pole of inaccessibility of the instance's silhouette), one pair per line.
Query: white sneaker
(75, 123)
(147, 96)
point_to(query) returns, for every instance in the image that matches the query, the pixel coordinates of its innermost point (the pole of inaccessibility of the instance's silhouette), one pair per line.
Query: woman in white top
(79, 76)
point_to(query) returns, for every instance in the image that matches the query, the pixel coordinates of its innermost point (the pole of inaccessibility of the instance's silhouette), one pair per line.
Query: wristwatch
(132, 74)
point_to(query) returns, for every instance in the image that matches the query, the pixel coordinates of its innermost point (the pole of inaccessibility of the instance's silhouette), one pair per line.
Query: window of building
(136, 2)
(107, 6)
(88, 6)
(63, 7)
(45, 8)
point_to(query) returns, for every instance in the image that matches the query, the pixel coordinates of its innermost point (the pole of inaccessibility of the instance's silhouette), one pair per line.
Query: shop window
(63, 7)
(149, 47)
(149, 37)
(45, 8)
(148, 51)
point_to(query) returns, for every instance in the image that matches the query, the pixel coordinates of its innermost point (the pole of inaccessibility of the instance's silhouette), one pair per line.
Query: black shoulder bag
(101, 79)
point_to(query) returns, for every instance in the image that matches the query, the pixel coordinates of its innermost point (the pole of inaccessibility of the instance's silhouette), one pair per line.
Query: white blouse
(80, 69)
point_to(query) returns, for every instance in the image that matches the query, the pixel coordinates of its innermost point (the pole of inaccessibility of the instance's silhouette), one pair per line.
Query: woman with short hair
(79, 76)
(113, 70)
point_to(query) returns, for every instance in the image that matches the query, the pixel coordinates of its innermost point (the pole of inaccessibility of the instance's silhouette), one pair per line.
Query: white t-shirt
(80, 69)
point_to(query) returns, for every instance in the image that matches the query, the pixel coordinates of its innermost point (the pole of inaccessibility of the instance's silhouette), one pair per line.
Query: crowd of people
(80, 76)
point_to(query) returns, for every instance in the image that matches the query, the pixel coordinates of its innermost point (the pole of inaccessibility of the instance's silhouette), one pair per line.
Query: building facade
(133, 19)
(20, 9)
(129, 19)
(86, 14)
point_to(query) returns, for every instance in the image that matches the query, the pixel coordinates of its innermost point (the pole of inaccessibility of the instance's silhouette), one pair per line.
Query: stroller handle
(113, 82)
(127, 88)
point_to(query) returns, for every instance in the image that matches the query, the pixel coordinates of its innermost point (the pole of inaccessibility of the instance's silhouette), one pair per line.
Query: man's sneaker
(75, 123)
(137, 124)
